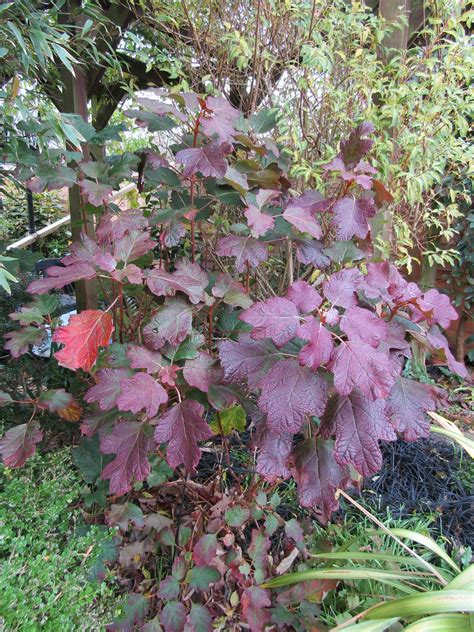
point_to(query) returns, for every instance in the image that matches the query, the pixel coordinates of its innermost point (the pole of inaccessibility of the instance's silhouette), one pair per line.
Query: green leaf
(5, 399)
(265, 120)
(163, 175)
(371, 626)
(3, 51)
(201, 577)
(381, 557)
(450, 622)
(236, 516)
(89, 459)
(463, 581)
(233, 418)
(425, 540)
(432, 602)
(66, 57)
(339, 573)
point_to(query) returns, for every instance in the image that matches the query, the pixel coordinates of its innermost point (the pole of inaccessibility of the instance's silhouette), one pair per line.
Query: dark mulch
(429, 475)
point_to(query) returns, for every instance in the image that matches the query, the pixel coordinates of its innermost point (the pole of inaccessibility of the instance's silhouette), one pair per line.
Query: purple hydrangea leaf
(341, 287)
(258, 222)
(351, 217)
(173, 617)
(113, 226)
(274, 450)
(356, 146)
(95, 193)
(141, 392)
(358, 423)
(205, 549)
(276, 318)
(19, 341)
(304, 296)
(209, 161)
(407, 405)
(131, 442)
(246, 359)
(356, 364)
(133, 245)
(246, 250)
(219, 119)
(88, 251)
(172, 323)
(199, 619)
(362, 324)
(320, 346)
(318, 476)
(436, 308)
(289, 394)
(142, 358)
(310, 251)
(201, 372)
(255, 608)
(302, 219)
(107, 388)
(182, 427)
(59, 277)
(439, 342)
(188, 278)
(19, 443)
(231, 291)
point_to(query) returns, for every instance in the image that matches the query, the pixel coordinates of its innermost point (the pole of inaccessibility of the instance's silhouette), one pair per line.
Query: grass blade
(450, 622)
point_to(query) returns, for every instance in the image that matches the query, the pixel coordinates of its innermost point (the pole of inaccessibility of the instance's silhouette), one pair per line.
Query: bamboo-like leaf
(360, 572)
(375, 557)
(450, 622)
(463, 581)
(450, 430)
(370, 626)
(432, 602)
(424, 540)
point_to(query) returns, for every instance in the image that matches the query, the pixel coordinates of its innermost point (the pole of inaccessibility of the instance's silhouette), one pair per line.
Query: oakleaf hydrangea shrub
(195, 326)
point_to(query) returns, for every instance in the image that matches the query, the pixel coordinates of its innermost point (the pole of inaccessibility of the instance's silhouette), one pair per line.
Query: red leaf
(318, 476)
(88, 251)
(209, 161)
(319, 349)
(362, 324)
(141, 392)
(82, 337)
(276, 318)
(255, 604)
(231, 291)
(59, 277)
(304, 296)
(107, 388)
(131, 442)
(290, 393)
(246, 250)
(183, 427)
(358, 424)
(407, 405)
(356, 364)
(19, 443)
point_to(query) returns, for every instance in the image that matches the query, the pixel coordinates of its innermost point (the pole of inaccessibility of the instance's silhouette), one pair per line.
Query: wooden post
(74, 101)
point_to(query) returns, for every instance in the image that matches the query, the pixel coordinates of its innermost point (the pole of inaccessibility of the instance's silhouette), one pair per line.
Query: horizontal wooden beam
(24, 242)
